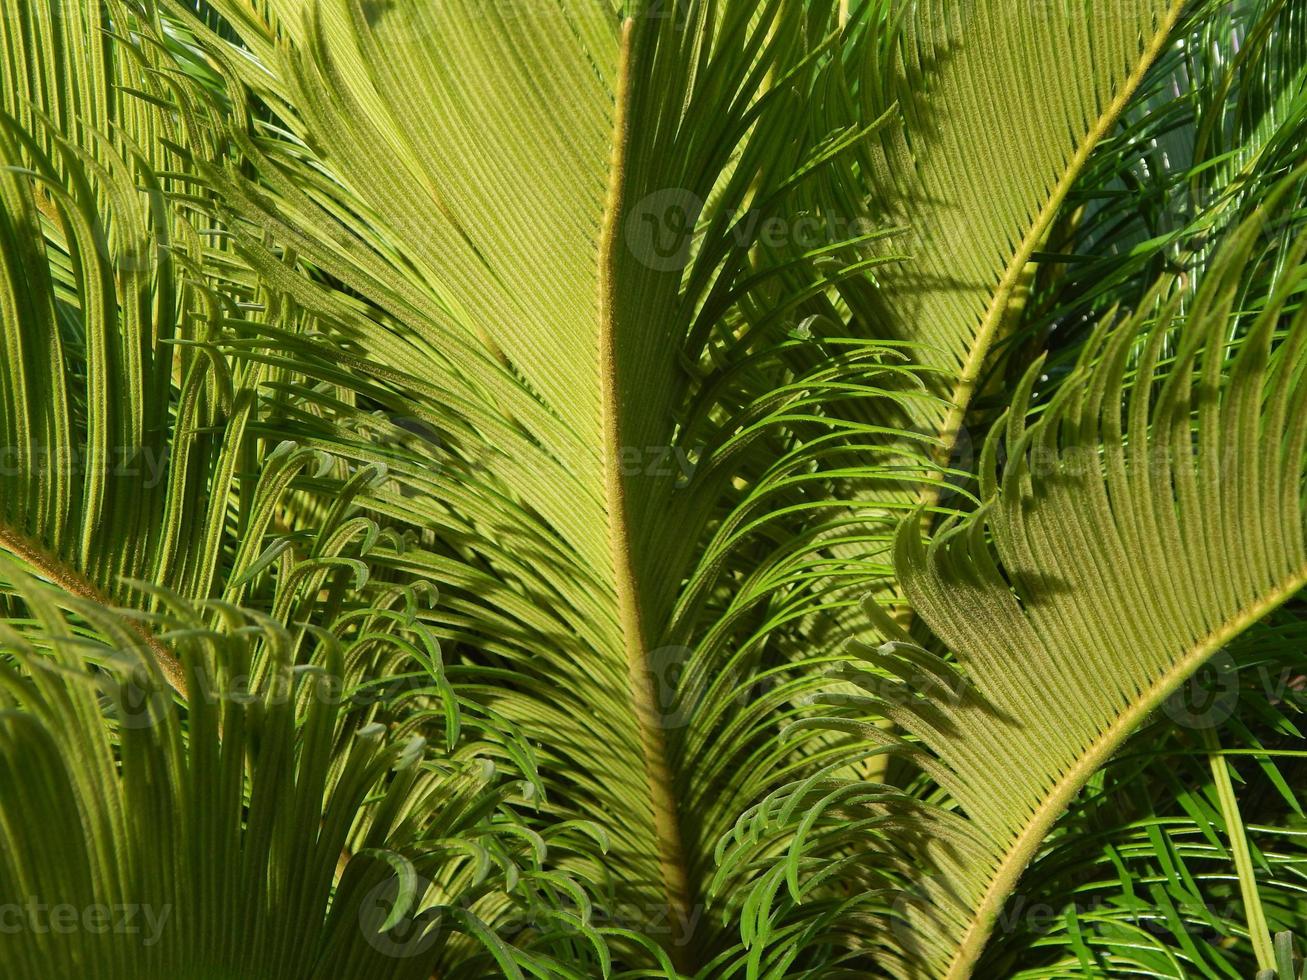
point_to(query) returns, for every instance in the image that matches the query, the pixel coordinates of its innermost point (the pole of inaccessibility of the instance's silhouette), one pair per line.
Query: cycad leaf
(977, 154)
(520, 310)
(448, 294)
(438, 213)
(988, 149)
(124, 429)
(1102, 574)
(147, 839)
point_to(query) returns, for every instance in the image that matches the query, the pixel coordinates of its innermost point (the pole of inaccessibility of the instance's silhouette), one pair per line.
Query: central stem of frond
(644, 696)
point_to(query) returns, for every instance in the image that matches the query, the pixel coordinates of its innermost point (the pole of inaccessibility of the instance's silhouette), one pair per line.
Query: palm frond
(540, 407)
(1138, 876)
(973, 79)
(1121, 574)
(1208, 136)
(488, 300)
(1145, 520)
(278, 805)
(125, 431)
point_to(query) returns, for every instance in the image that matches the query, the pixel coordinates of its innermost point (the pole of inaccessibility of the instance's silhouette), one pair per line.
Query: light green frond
(1209, 133)
(1102, 575)
(270, 826)
(973, 157)
(555, 375)
(124, 431)
(581, 395)
(986, 153)
(1150, 514)
(1138, 875)
(593, 383)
